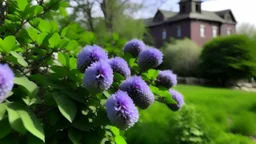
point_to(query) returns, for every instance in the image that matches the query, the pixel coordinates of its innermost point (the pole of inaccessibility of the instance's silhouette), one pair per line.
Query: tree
(111, 16)
(229, 58)
(182, 56)
(246, 28)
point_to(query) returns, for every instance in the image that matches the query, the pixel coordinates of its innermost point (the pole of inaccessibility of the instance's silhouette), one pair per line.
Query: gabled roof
(167, 14)
(215, 16)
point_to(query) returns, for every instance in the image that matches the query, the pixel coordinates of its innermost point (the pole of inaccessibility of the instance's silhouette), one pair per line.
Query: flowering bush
(51, 91)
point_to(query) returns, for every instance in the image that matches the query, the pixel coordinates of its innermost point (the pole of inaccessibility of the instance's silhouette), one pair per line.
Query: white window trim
(178, 31)
(202, 34)
(229, 31)
(164, 34)
(214, 28)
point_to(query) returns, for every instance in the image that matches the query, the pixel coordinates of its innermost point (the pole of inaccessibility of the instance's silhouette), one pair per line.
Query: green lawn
(223, 116)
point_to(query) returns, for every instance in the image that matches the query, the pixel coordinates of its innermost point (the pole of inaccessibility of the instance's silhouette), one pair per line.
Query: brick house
(190, 22)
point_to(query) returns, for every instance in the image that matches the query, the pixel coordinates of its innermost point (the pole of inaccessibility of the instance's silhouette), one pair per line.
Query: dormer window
(198, 9)
(183, 9)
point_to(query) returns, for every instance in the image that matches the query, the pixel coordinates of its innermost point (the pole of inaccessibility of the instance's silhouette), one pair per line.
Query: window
(183, 8)
(178, 31)
(202, 31)
(164, 34)
(198, 9)
(214, 31)
(229, 31)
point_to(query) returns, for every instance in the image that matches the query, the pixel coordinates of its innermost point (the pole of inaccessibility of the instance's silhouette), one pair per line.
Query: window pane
(164, 34)
(214, 31)
(202, 31)
(178, 31)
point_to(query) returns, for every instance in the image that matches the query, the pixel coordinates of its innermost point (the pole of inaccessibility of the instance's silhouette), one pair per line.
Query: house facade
(190, 22)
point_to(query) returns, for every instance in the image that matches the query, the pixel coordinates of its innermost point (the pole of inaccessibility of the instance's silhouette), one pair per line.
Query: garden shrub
(188, 128)
(56, 87)
(230, 57)
(182, 56)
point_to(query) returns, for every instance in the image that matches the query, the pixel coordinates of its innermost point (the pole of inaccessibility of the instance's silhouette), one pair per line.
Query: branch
(39, 15)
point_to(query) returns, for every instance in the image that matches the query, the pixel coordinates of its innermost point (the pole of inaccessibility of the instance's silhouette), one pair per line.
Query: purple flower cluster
(98, 77)
(178, 98)
(166, 78)
(134, 47)
(139, 91)
(6, 81)
(120, 66)
(150, 58)
(89, 55)
(121, 110)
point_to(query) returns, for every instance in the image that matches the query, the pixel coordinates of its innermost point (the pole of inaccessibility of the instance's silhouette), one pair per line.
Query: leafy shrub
(182, 56)
(230, 57)
(188, 128)
(46, 99)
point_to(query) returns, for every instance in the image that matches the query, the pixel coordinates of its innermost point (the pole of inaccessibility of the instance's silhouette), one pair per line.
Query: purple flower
(98, 77)
(121, 110)
(134, 47)
(178, 98)
(139, 91)
(150, 58)
(6, 81)
(166, 78)
(120, 66)
(88, 55)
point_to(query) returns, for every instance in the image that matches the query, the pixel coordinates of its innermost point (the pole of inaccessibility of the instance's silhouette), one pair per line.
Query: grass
(225, 116)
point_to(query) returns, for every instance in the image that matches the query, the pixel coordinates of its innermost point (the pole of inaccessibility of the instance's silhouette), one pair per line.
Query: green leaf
(82, 123)
(34, 140)
(168, 100)
(54, 25)
(15, 119)
(22, 4)
(37, 10)
(115, 130)
(54, 40)
(45, 26)
(118, 77)
(154, 89)
(8, 43)
(131, 62)
(19, 59)
(78, 95)
(152, 74)
(75, 136)
(5, 128)
(30, 86)
(29, 120)
(63, 59)
(120, 140)
(32, 33)
(66, 106)
(41, 37)
(72, 63)
(72, 45)
(106, 93)
(64, 31)
(2, 110)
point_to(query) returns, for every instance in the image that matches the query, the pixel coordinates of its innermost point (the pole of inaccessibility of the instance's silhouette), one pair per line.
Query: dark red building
(190, 22)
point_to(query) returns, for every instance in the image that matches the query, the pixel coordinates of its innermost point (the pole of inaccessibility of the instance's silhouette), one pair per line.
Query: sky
(243, 10)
